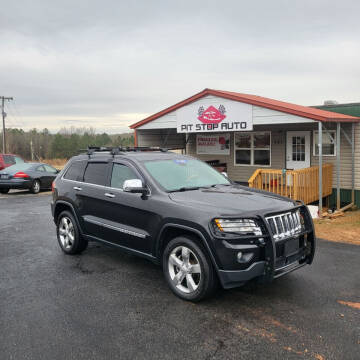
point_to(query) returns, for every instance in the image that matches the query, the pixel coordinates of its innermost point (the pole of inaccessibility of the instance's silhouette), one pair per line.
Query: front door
(297, 150)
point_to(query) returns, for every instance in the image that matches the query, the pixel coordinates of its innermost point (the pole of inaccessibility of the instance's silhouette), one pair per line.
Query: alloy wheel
(184, 269)
(66, 233)
(36, 186)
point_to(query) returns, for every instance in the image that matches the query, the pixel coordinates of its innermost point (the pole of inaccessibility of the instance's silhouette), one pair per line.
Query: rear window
(18, 167)
(9, 159)
(95, 173)
(76, 171)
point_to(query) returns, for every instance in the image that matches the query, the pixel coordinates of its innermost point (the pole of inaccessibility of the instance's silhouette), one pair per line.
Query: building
(293, 150)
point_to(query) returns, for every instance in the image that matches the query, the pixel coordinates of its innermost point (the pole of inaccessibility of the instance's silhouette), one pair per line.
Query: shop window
(329, 143)
(252, 148)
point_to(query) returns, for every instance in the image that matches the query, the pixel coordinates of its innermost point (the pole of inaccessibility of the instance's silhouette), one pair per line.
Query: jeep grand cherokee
(177, 211)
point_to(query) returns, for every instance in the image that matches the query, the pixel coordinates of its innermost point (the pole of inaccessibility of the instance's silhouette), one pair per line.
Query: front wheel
(188, 270)
(69, 237)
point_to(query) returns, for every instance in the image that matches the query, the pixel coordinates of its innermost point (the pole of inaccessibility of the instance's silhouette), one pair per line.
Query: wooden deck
(300, 184)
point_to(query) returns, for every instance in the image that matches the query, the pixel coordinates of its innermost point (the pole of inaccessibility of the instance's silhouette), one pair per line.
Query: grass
(342, 229)
(56, 163)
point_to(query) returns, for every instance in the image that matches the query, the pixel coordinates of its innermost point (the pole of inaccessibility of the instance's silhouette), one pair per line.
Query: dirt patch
(56, 163)
(344, 229)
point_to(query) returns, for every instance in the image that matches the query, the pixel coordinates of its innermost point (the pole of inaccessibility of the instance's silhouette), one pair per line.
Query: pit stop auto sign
(215, 117)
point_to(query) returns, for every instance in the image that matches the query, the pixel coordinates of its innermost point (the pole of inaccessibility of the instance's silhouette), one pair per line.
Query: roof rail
(121, 149)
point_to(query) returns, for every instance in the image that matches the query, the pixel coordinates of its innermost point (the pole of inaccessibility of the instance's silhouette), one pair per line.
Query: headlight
(238, 226)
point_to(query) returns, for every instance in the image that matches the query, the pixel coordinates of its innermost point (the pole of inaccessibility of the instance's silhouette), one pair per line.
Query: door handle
(77, 188)
(109, 195)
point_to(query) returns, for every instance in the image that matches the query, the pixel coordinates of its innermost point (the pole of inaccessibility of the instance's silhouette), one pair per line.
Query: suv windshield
(177, 174)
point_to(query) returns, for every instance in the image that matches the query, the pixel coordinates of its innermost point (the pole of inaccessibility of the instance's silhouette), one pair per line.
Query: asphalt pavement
(105, 304)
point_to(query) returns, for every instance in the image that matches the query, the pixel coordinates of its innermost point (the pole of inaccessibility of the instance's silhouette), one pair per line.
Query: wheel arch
(61, 206)
(171, 230)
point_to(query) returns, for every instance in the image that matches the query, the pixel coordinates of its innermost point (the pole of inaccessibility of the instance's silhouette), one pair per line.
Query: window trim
(333, 134)
(129, 165)
(252, 133)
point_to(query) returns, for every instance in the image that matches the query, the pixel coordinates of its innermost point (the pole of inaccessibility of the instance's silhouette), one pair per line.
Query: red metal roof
(299, 110)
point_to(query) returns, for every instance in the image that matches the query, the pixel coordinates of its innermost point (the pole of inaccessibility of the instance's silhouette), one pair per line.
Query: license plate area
(291, 247)
(4, 177)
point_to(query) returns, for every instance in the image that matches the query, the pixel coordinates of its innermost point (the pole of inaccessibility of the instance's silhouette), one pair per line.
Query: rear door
(128, 219)
(91, 197)
(50, 174)
(40, 173)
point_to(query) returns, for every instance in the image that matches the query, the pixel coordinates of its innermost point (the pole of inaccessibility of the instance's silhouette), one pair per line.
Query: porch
(302, 184)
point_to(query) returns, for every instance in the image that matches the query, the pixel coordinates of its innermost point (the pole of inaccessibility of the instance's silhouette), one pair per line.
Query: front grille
(284, 225)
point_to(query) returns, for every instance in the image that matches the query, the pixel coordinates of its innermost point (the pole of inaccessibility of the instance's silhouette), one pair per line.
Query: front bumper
(15, 184)
(271, 260)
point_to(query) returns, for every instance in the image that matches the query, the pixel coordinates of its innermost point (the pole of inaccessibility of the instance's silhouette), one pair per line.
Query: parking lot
(106, 304)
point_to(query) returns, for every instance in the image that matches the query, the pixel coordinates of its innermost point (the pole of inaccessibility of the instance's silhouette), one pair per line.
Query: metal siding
(159, 137)
(345, 157)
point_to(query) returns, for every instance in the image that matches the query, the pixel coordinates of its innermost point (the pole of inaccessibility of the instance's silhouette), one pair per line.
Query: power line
(3, 98)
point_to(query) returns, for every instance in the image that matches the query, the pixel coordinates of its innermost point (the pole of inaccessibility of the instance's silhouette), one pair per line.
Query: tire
(4, 190)
(197, 279)
(35, 187)
(70, 240)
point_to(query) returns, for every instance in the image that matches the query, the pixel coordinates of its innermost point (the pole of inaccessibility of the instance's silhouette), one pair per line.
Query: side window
(50, 169)
(121, 173)
(9, 159)
(95, 173)
(76, 171)
(40, 168)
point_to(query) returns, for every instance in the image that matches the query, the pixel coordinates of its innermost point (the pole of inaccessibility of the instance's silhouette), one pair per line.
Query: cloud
(109, 63)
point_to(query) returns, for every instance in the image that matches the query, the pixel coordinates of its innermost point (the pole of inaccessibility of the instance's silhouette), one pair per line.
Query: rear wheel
(69, 238)
(4, 191)
(35, 187)
(188, 270)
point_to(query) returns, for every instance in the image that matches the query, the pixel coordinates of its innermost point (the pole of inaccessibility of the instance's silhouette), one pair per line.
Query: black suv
(179, 212)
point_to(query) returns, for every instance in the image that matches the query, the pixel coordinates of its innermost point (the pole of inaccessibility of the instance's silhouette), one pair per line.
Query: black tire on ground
(35, 187)
(73, 243)
(207, 282)
(4, 190)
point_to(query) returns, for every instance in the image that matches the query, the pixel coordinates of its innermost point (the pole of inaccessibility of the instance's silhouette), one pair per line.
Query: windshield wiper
(188, 188)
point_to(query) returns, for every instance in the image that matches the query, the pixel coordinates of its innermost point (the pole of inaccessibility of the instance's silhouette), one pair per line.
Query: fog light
(244, 258)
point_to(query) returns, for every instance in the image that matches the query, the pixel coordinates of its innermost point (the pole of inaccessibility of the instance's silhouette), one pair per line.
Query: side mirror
(57, 171)
(224, 173)
(134, 186)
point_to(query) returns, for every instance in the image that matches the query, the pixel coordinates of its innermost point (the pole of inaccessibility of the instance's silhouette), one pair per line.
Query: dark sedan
(32, 176)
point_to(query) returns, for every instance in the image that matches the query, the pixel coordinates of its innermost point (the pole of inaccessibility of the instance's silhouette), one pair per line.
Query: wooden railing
(300, 184)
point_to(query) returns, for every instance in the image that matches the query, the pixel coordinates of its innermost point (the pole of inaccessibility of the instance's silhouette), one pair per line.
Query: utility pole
(3, 113)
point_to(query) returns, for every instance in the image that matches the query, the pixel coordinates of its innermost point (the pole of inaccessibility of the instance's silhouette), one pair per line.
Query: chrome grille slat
(284, 225)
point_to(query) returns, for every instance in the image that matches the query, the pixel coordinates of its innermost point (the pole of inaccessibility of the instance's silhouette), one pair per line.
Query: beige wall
(278, 153)
(157, 137)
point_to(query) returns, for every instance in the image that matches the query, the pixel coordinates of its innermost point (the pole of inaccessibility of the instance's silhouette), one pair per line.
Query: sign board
(214, 117)
(213, 144)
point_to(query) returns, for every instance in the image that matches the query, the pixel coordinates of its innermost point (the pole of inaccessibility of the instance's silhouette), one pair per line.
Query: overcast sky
(108, 64)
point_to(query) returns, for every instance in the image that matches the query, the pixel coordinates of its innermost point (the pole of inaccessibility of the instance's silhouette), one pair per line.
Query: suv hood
(232, 200)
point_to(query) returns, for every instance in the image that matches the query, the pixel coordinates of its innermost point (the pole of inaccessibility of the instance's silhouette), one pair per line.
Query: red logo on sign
(212, 115)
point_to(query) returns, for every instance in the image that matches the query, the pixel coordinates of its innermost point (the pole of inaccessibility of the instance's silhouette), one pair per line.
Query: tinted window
(9, 159)
(95, 173)
(50, 169)
(18, 167)
(121, 173)
(76, 171)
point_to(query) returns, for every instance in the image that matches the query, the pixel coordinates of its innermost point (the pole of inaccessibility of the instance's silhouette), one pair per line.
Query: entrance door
(297, 150)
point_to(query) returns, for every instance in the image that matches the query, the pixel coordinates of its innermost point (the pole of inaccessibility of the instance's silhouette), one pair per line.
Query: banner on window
(213, 144)
(215, 117)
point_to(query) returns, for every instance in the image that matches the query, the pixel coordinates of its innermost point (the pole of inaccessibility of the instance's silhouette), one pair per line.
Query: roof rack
(118, 150)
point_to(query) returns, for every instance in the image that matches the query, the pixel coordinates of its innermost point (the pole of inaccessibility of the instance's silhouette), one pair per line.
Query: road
(106, 304)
